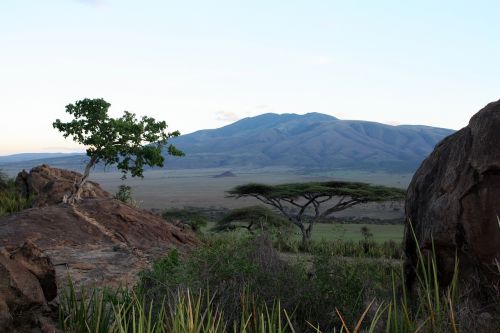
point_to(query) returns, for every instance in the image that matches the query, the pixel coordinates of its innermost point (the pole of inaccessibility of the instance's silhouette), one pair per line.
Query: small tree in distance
(128, 142)
(252, 218)
(320, 198)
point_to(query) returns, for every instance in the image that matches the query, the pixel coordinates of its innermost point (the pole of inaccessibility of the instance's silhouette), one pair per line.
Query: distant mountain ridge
(32, 156)
(310, 141)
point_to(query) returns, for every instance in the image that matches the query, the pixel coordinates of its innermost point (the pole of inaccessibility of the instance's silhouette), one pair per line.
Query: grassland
(348, 232)
(164, 189)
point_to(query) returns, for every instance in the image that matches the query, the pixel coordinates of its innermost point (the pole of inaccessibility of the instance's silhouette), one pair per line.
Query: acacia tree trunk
(306, 237)
(75, 196)
(307, 233)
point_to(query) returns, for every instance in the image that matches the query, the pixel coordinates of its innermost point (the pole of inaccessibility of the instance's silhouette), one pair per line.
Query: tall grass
(345, 248)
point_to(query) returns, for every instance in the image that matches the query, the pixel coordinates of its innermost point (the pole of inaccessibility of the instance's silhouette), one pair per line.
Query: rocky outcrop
(98, 241)
(27, 280)
(454, 201)
(48, 186)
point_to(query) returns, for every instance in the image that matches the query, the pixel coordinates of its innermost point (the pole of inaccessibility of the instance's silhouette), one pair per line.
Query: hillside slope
(309, 141)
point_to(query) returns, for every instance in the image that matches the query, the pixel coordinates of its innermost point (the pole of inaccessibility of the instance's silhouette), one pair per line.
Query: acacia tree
(320, 198)
(128, 142)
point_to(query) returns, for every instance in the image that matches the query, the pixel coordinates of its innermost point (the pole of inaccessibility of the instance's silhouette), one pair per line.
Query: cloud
(226, 116)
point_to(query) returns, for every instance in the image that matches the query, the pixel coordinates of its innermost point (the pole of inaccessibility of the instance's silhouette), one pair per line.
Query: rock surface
(98, 242)
(49, 185)
(454, 200)
(26, 276)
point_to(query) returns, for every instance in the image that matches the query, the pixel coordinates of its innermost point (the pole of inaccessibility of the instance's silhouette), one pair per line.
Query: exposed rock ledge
(98, 242)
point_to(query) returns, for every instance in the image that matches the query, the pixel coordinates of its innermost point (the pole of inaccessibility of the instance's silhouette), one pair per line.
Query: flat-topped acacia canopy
(313, 194)
(355, 190)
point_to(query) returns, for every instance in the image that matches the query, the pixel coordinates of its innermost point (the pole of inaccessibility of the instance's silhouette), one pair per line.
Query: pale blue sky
(204, 64)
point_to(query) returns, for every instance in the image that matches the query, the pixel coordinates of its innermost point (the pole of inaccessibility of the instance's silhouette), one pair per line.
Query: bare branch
(304, 207)
(340, 206)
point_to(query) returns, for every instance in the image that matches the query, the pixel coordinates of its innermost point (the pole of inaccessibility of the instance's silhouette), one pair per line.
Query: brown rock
(454, 200)
(23, 289)
(97, 241)
(6, 319)
(49, 185)
(21, 296)
(40, 265)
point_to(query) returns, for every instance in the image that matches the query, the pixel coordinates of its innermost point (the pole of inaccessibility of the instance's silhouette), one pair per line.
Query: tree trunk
(75, 196)
(306, 237)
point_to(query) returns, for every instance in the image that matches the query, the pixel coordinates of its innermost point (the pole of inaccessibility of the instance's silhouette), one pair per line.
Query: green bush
(124, 194)
(253, 218)
(11, 201)
(230, 266)
(241, 285)
(194, 219)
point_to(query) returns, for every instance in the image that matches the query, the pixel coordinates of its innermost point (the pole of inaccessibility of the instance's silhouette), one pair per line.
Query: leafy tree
(320, 198)
(128, 142)
(251, 218)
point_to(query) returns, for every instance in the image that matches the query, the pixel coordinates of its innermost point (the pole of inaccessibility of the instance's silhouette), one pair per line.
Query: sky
(205, 64)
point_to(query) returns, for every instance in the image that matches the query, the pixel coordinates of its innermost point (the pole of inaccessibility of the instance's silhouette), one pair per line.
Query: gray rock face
(454, 200)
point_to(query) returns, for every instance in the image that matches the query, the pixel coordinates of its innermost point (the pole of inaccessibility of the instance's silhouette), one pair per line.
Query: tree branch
(340, 206)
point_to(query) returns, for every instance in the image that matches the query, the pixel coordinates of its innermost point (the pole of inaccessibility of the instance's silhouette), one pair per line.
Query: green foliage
(229, 267)
(129, 142)
(253, 218)
(237, 285)
(124, 194)
(360, 191)
(11, 201)
(195, 220)
(4, 181)
(353, 249)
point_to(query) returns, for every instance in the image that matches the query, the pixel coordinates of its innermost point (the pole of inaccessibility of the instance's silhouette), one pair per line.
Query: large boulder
(48, 186)
(453, 201)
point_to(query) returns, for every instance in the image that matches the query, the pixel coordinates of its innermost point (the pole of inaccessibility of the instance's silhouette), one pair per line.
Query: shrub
(253, 218)
(228, 267)
(11, 201)
(194, 219)
(241, 285)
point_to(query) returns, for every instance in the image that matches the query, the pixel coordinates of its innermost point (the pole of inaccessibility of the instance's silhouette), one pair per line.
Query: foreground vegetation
(233, 284)
(10, 199)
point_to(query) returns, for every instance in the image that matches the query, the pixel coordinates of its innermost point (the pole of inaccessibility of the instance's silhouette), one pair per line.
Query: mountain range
(310, 141)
